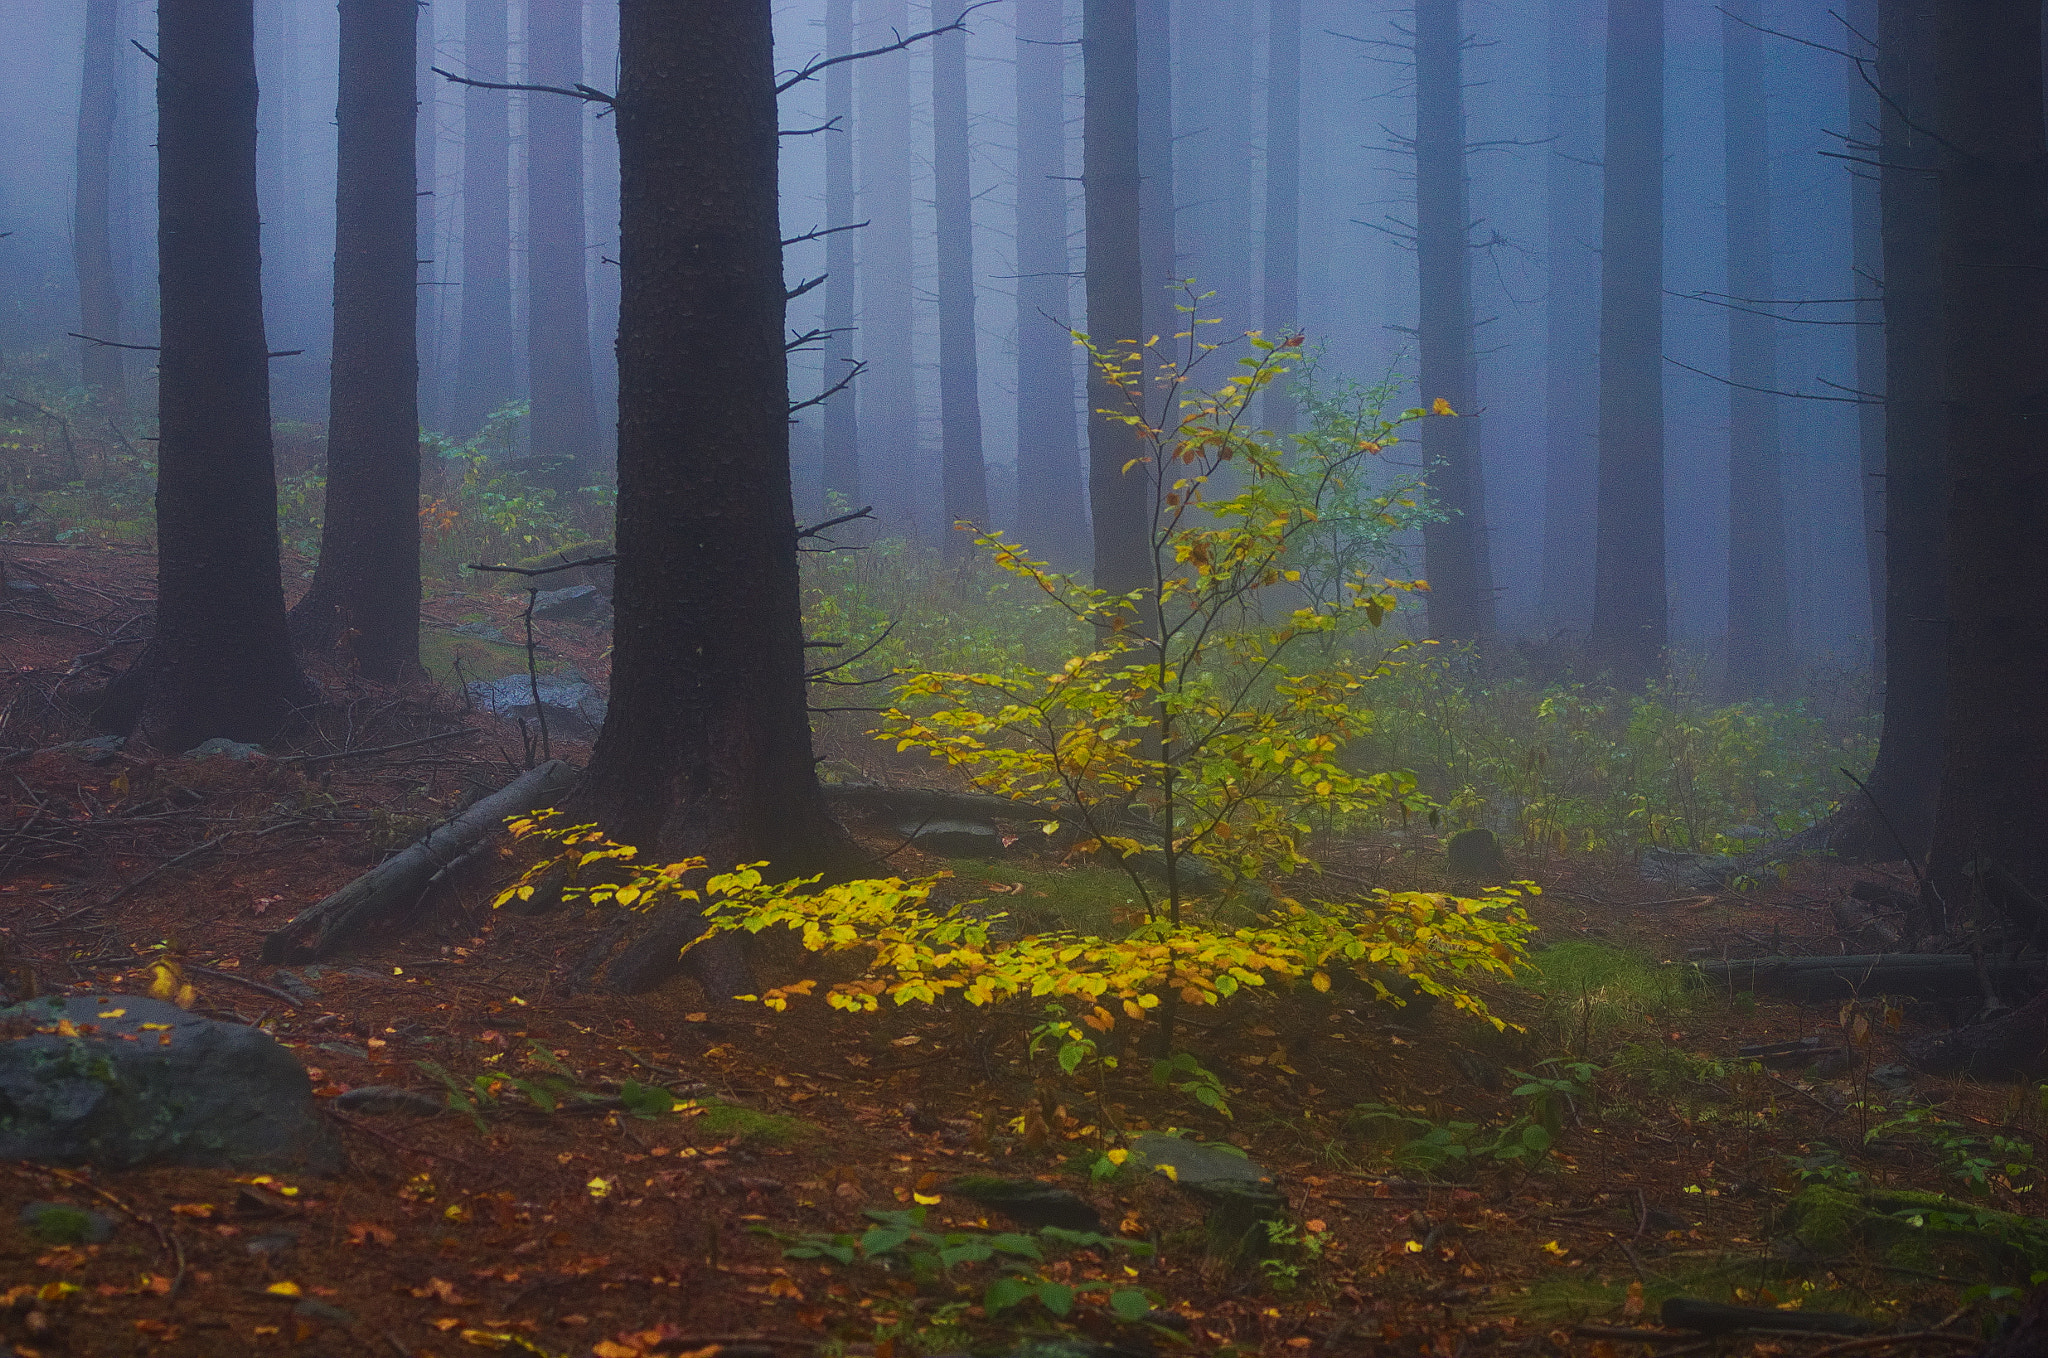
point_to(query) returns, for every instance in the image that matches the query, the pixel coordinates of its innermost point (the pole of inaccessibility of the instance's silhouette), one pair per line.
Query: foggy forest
(1023, 678)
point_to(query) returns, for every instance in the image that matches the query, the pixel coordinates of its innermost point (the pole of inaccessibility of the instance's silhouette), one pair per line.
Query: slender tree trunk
(485, 371)
(1571, 317)
(1050, 516)
(1906, 779)
(1759, 598)
(1282, 283)
(888, 386)
(707, 747)
(92, 246)
(432, 268)
(221, 662)
(1119, 502)
(842, 425)
(365, 598)
(1629, 605)
(964, 476)
(558, 312)
(1994, 279)
(1454, 548)
(1156, 197)
(1866, 245)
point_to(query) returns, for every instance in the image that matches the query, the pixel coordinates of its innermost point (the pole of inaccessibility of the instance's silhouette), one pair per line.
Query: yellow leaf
(600, 1187)
(283, 1289)
(925, 1199)
(1321, 981)
(1117, 1156)
(1559, 1250)
(1441, 407)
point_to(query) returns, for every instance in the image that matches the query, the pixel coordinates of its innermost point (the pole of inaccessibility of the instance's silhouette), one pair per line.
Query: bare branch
(1773, 391)
(583, 92)
(811, 68)
(828, 125)
(791, 294)
(817, 530)
(859, 366)
(821, 233)
(112, 344)
(609, 558)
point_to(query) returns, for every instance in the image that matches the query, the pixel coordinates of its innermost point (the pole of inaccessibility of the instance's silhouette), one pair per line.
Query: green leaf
(1057, 1298)
(1004, 1293)
(1130, 1305)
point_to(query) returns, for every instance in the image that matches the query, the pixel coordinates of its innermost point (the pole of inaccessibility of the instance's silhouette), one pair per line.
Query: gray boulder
(121, 1080)
(954, 838)
(574, 708)
(1241, 1196)
(577, 603)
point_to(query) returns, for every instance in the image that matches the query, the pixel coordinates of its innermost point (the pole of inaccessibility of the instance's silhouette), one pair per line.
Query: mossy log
(1924, 976)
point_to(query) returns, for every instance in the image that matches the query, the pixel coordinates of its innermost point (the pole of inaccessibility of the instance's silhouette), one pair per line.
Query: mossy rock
(745, 1124)
(1912, 1228)
(1475, 855)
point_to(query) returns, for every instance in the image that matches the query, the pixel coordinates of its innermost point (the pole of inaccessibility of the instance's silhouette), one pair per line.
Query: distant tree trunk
(1051, 519)
(1157, 210)
(963, 474)
(484, 375)
(1866, 246)
(1629, 605)
(842, 425)
(1571, 337)
(888, 386)
(1759, 598)
(1282, 283)
(221, 661)
(365, 598)
(558, 310)
(1994, 280)
(707, 747)
(433, 269)
(1120, 504)
(1906, 779)
(1455, 548)
(92, 246)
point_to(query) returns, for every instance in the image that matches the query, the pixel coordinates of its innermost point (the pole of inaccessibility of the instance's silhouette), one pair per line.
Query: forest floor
(571, 1233)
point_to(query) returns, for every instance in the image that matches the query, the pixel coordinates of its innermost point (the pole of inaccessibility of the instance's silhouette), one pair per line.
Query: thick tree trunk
(842, 426)
(1119, 502)
(221, 662)
(1629, 606)
(890, 475)
(707, 747)
(365, 598)
(558, 309)
(484, 375)
(1571, 317)
(1051, 519)
(432, 268)
(1454, 549)
(1866, 283)
(1994, 279)
(1282, 283)
(1759, 601)
(92, 246)
(1158, 248)
(964, 477)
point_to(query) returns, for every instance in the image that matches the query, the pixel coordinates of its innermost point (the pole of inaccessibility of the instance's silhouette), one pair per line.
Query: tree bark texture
(841, 424)
(1994, 280)
(92, 244)
(1629, 605)
(1759, 598)
(1571, 316)
(888, 386)
(963, 475)
(565, 420)
(1282, 255)
(1158, 216)
(433, 269)
(1454, 548)
(1119, 501)
(1866, 282)
(221, 662)
(365, 597)
(485, 378)
(707, 747)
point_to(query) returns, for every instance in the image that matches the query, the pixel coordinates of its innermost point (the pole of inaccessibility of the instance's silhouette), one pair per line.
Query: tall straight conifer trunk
(220, 663)
(1158, 248)
(365, 597)
(558, 309)
(1454, 548)
(1866, 249)
(841, 422)
(964, 476)
(1282, 254)
(1629, 604)
(92, 243)
(1994, 280)
(484, 377)
(890, 474)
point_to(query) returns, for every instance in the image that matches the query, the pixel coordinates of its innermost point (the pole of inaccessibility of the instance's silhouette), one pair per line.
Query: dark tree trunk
(365, 598)
(432, 268)
(1759, 601)
(842, 425)
(484, 375)
(1629, 606)
(1866, 245)
(1120, 503)
(1571, 343)
(1906, 779)
(890, 475)
(964, 478)
(1282, 283)
(92, 245)
(1454, 549)
(558, 308)
(221, 662)
(707, 748)
(1994, 279)
(1157, 244)
(1050, 516)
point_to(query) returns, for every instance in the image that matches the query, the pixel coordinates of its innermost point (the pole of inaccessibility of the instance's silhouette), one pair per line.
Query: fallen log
(398, 884)
(1711, 1317)
(1923, 976)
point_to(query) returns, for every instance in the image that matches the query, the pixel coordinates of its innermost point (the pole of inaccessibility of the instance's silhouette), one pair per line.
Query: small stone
(25, 587)
(221, 745)
(264, 1246)
(575, 709)
(1475, 854)
(954, 838)
(577, 603)
(59, 1223)
(311, 1308)
(98, 750)
(1027, 1202)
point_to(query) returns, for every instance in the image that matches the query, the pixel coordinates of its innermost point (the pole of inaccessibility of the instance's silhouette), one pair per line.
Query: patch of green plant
(1415, 1142)
(1977, 1162)
(1183, 1074)
(556, 1087)
(1291, 1252)
(1591, 991)
(1088, 899)
(733, 1122)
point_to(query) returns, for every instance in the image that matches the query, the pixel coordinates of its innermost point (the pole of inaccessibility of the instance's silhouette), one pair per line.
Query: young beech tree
(221, 661)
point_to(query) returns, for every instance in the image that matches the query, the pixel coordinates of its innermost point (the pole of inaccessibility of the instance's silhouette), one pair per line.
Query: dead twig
(311, 759)
(1885, 1340)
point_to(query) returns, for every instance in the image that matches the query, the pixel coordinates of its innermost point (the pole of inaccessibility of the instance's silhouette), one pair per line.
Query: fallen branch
(310, 759)
(1926, 976)
(398, 884)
